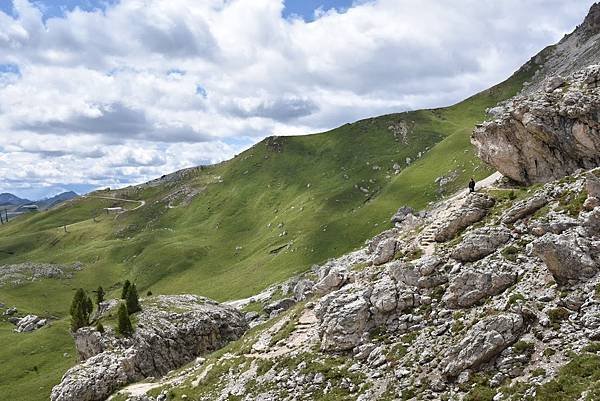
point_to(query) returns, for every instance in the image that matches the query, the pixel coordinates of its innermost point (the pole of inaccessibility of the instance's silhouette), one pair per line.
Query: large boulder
(546, 135)
(343, 317)
(524, 208)
(484, 341)
(474, 209)
(171, 331)
(480, 243)
(472, 286)
(569, 257)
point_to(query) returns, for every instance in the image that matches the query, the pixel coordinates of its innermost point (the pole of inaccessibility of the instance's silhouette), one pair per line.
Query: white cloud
(148, 86)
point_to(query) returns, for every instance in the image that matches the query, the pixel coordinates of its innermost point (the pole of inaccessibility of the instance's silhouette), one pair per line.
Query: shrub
(133, 303)
(99, 327)
(124, 326)
(81, 308)
(523, 347)
(149, 293)
(557, 315)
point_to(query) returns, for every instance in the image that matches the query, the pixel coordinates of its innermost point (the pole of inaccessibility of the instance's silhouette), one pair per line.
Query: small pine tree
(126, 286)
(124, 326)
(81, 307)
(133, 303)
(100, 295)
(149, 293)
(99, 327)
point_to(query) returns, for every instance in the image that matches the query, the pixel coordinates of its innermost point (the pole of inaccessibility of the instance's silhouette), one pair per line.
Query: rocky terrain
(171, 331)
(503, 306)
(18, 274)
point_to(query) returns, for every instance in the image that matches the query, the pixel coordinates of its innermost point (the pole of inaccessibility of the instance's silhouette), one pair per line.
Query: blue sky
(56, 8)
(90, 100)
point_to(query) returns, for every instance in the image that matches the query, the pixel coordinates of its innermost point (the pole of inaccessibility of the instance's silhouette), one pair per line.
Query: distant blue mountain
(7, 199)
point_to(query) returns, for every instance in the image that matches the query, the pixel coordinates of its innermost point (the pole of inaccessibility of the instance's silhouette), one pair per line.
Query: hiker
(472, 185)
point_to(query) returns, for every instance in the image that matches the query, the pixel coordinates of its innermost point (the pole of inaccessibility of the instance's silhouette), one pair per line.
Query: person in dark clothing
(472, 185)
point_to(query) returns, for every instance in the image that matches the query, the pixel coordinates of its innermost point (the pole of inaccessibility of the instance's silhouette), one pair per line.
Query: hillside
(230, 230)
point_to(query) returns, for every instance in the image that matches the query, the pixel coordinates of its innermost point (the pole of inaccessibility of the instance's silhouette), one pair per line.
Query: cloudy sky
(111, 92)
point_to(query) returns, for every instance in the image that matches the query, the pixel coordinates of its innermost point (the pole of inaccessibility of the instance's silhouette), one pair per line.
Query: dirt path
(141, 202)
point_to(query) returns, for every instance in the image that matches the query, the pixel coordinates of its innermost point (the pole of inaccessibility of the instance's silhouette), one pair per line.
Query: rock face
(481, 243)
(568, 256)
(547, 135)
(483, 342)
(171, 331)
(475, 208)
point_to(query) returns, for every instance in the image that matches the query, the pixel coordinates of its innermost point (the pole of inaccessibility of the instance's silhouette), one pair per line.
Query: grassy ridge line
(193, 248)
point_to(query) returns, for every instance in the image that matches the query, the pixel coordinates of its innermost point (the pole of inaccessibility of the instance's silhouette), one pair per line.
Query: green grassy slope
(270, 212)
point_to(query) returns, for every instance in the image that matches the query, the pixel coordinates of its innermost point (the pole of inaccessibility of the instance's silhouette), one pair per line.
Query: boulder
(474, 209)
(524, 208)
(30, 323)
(343, 316)
(480, 243)
(402, 214)
(471, 286)
(484, 341)
(171, 331)
(279, 305)
(546, 136)
(10, 311)
(331, 279)
(569, 257)
(385, 251)
(592, 185)
(303, 289)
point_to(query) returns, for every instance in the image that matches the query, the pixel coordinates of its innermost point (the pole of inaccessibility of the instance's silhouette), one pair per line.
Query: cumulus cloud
(121, 94)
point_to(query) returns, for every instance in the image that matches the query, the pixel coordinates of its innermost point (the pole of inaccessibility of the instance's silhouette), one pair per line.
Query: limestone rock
(480, 243)
(171, 331)
(546, 136)
(471, 286)
(474, 209)
(30, 323)
(568, 256)
(524, 208)
(483, 342)
(343, 317)
(385, 251)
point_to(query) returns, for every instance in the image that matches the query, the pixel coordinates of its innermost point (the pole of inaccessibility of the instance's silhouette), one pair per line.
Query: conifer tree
(126, 286)
(81, 308)
(100, 295)
(124, 326)
(133, 302)
(99, 327)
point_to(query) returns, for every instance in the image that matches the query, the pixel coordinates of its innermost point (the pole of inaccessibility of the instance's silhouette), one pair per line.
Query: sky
(97, 93)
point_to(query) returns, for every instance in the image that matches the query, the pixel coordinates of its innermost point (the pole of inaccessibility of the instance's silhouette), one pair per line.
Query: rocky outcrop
(343, 315)
(568, 256)
(21, 273)
(30, 323)
(472, 286)
(480, 243)
(551, 133)
(483, 342)
(474, 209)
(171, 331)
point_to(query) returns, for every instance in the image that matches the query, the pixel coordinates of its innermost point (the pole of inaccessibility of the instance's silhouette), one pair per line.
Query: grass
(229, 241)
